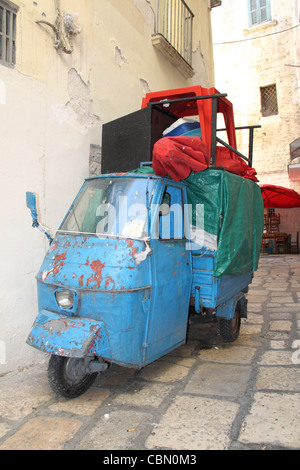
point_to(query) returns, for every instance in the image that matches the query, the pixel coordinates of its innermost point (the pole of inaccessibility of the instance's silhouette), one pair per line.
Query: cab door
(171, 275)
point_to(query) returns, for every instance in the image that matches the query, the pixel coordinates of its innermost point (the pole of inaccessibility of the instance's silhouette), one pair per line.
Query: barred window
(259, 11)
(8, 17)
(269, 105)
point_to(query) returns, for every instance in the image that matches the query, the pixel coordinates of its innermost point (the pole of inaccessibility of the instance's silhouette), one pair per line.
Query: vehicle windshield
(114, 207)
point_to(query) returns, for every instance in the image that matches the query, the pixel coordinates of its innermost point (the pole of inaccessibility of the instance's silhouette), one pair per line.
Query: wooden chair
(288, 243)
(281, 245)
(266, 223)
(295, 244)
(264, 246)
(274, 223)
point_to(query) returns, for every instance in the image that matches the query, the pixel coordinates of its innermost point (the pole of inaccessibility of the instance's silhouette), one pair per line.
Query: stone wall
(247, 58)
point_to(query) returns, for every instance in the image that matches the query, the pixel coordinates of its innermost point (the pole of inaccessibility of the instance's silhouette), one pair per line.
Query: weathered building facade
(66, 68)
(257, 62)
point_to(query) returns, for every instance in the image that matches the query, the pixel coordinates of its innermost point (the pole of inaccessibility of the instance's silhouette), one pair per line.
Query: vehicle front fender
(68, 336)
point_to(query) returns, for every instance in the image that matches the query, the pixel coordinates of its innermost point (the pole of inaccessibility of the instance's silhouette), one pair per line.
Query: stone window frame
(8, 30)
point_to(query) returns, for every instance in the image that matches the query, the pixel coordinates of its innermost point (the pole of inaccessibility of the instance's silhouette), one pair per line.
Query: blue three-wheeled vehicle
(138, 251)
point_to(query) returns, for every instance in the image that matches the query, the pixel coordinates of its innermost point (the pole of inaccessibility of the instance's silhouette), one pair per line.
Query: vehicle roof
(133, 175)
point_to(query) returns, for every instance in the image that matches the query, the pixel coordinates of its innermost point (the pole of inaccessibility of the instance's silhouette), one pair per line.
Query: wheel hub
(76, 369)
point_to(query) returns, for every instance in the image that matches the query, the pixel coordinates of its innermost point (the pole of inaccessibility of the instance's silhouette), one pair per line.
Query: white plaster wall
(39, 150)
(289, 221)
(52, 107)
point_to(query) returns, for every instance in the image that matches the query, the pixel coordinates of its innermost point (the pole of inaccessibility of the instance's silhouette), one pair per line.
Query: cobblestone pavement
(206, 395)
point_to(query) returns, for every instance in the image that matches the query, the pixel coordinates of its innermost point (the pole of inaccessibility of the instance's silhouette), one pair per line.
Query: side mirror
(31, 204)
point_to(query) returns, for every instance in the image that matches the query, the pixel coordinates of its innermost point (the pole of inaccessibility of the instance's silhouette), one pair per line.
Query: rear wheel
(230, 329)
(68, 377)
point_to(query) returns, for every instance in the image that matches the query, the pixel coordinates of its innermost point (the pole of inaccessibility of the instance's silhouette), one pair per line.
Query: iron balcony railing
(174, 21)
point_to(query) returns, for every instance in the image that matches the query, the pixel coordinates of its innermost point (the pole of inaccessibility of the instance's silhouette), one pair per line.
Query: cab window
(171, 214)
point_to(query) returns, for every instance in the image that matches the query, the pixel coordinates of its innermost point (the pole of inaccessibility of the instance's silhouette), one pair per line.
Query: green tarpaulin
(233, 212)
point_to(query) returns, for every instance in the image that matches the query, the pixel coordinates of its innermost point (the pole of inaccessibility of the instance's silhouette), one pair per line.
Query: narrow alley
(206, 395)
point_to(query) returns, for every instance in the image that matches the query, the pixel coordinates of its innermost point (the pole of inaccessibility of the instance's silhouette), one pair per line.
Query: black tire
(230, 329)
(67, 377)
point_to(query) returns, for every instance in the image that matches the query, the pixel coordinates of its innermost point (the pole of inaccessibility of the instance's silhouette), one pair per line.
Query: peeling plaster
(80, 100)
(79, 109)
(145, 86)
(145, 8)
(120, 59)
(199, 66)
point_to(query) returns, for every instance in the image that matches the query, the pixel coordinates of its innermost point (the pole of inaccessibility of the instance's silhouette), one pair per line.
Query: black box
(129, 140)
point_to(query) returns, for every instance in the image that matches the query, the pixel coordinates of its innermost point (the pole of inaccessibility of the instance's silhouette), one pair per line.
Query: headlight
(65, 299)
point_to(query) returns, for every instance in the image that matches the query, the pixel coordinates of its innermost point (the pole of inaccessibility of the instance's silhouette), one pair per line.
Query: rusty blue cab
(101, 291)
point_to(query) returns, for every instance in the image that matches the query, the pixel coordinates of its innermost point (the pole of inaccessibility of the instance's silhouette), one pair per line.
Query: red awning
(279, 197)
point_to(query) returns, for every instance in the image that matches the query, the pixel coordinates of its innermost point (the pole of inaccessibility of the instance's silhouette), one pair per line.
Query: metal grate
(8, 19)
(174, 21)
(269, 105)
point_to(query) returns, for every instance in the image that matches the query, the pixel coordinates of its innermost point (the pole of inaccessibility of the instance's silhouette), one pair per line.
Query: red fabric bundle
(178, 156)
(234, 164)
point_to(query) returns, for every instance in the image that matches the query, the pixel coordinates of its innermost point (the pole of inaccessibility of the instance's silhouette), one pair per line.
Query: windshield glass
(111, 207)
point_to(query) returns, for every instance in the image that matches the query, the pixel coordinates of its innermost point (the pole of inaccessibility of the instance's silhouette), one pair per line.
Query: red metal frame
(202, 108)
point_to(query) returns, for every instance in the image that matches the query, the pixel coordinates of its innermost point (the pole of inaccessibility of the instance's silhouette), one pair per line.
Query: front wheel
(230, 329)
(68, 377)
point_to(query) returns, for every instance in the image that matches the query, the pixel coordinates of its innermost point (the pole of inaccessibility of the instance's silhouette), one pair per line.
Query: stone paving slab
(273, 419)
(206, 395)
(42, 433)
(194, 423)
(278, 378)
(117, 431)
(219, 380)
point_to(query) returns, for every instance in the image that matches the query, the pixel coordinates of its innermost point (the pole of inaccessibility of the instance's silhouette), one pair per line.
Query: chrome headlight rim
(65, 299)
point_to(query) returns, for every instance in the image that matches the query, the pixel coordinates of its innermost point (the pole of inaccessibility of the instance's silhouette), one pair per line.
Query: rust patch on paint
(59, 262)
(97, 267)
(134, 250)
(108, 281)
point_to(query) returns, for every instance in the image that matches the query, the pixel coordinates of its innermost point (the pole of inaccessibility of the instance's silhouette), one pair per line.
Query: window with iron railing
(8, 17)
(174, 21)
